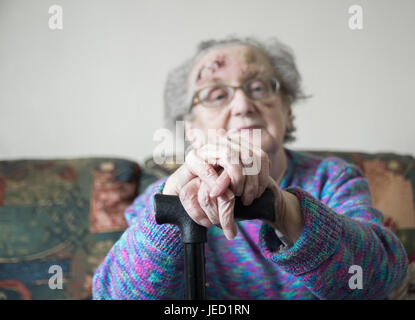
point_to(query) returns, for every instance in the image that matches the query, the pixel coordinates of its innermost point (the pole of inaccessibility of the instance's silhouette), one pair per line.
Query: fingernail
(228, 234)
(206, 223)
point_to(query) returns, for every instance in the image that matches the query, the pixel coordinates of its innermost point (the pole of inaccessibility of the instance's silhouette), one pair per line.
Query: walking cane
(193, 236)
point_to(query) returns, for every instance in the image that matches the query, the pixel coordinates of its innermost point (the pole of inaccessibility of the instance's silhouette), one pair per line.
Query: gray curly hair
(177, 96)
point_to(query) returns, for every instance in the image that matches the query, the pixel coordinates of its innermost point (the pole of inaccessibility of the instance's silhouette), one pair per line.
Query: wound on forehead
(218, 63)
(248, 55)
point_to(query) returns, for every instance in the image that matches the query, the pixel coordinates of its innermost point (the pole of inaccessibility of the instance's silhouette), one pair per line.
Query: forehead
(229, 64)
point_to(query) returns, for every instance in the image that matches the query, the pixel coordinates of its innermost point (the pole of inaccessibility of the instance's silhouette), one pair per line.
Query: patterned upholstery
(70, 212)
(60, 212)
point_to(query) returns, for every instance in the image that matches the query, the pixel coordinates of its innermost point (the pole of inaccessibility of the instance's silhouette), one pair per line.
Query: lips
(251, 127)
(239, 129)
(243, 128)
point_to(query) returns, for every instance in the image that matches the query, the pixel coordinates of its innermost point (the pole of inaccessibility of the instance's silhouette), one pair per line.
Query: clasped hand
(214, 174)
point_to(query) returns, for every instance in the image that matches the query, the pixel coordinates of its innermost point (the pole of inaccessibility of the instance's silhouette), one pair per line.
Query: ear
(289, 117)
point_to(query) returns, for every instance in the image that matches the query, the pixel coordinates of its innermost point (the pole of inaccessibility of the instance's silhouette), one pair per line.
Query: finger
(184, 175)
(264, 176)
(250, 190)
(200, 168)
(256, 162)
(227, 157)
(248, 147)
(226, 204)
(222, 183)
(246, 151)
(208, 205)
(260, 168)
(188, 198)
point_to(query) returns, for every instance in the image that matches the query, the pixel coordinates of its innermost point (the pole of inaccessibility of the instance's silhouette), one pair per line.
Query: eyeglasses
(257, 89)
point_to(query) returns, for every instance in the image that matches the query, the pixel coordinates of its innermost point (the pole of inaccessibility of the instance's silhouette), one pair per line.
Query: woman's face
(233, 65)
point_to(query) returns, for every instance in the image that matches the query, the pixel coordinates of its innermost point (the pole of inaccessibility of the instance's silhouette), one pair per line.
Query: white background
(95, 88)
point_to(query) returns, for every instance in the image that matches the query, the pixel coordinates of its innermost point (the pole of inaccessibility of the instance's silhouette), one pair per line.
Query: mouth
(251, 127)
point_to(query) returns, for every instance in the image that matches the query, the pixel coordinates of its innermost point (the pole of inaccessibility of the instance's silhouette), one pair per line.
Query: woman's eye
(257, 89)
(217, 95)
(257, 86)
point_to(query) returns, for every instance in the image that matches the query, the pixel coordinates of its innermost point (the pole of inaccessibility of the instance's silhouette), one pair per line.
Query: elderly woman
(325, 223)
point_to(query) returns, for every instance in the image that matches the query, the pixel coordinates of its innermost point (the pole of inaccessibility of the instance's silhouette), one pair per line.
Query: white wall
(95, 87)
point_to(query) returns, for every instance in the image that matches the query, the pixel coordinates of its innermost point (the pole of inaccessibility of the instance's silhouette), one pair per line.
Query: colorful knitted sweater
(341, 230)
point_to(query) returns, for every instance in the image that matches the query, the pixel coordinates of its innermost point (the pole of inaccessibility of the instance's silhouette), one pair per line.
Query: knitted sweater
(341, 229)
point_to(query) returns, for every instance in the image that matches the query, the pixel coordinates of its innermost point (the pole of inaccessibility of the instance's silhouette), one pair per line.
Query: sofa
(65, 215)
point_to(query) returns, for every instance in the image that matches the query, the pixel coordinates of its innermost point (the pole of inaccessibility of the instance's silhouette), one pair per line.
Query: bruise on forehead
(218, 63)
(249, 55)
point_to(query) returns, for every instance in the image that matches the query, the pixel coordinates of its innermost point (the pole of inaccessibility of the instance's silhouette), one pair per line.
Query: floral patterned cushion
(65, 213)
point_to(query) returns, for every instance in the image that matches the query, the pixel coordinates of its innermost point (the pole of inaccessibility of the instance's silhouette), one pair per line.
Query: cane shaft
(194, 260)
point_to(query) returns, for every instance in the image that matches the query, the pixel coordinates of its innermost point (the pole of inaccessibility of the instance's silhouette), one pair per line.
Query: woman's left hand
(245, 171)
(246, 167)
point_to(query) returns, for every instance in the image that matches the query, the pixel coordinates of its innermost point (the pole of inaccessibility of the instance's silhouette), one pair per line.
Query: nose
(241, 105)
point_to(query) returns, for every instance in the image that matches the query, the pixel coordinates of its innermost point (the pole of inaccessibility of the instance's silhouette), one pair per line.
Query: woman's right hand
(192, 182)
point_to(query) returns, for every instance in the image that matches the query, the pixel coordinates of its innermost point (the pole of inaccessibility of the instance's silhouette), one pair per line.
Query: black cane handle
(169, 209)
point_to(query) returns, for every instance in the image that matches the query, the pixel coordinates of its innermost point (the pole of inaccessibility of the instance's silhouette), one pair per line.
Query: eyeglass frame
(196, 100)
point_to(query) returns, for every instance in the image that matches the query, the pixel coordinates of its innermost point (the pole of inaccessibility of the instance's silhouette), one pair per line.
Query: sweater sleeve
(342, 232)
(146, 262)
